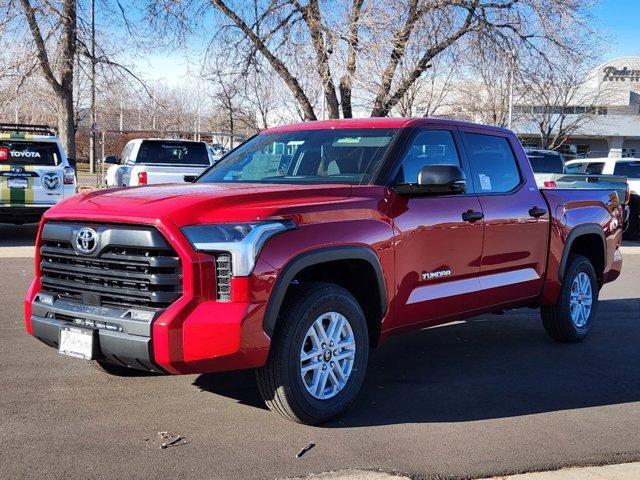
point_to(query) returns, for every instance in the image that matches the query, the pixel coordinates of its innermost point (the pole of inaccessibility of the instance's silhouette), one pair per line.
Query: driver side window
(429, 147)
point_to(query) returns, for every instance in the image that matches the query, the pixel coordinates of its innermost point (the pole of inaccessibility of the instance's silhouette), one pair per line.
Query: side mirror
(111, 160)
(435, 180)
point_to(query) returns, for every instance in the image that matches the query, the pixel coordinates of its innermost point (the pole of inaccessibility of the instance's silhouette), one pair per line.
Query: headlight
(242, 240)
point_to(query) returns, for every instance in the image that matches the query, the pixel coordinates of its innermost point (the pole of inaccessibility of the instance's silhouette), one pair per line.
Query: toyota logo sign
(86, 240)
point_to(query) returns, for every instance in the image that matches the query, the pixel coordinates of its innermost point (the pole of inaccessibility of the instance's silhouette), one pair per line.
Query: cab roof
(373, 123)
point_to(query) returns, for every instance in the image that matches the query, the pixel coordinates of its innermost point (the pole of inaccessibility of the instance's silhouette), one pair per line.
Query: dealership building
(613, 125)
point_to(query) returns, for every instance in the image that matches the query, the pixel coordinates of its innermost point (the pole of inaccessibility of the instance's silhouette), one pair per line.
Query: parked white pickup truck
(628, 167)
(154, 161)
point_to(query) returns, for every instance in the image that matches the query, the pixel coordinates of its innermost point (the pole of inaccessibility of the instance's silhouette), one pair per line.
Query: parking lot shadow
(241, 386)
(490, 367)
(18, 235)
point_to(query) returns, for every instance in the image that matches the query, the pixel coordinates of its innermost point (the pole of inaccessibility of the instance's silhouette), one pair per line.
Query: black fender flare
(314, 257)
(580, 230)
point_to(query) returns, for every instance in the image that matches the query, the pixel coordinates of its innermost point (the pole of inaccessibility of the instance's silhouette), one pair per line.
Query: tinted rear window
(545, 162)
(172, 153)
(493, 162)
(628, 169)
(29, 153)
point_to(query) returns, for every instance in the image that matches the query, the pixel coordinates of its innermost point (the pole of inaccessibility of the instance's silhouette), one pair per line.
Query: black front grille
(144, 274)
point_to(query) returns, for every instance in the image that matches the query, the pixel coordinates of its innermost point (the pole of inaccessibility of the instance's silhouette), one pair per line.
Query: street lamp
(512, 62)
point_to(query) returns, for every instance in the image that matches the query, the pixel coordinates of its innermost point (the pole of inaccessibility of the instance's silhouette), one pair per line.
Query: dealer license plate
(76, 342)
(18, 182)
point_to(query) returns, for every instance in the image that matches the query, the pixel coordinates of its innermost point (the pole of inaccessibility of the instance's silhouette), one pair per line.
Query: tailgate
(157, 174)
(26, 185)
(595, 182)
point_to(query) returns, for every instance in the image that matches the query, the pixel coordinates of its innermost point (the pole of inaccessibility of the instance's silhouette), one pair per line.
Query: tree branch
(277, 64)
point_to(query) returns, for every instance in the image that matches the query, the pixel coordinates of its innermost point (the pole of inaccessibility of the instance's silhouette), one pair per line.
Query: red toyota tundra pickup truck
(308, 245)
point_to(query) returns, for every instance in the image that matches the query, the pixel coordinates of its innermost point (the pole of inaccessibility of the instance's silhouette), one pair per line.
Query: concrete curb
(625, 471)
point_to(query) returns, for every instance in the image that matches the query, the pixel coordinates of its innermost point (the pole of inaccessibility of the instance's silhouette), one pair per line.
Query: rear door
(437, 251)
(30, 173)
(516, 220)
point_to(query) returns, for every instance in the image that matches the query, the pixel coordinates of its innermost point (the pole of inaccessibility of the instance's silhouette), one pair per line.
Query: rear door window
(628, 169)
(494, 166)
(29, 153)
(172, 153)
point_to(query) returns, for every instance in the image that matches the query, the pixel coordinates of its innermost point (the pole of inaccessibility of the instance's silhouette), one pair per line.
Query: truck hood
(187, 204)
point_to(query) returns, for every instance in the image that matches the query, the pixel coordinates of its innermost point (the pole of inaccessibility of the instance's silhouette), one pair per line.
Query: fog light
(140, 315)
(46, 299)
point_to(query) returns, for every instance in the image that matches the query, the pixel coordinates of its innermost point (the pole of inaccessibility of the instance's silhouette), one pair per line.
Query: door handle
(472, 216)
(537, 212)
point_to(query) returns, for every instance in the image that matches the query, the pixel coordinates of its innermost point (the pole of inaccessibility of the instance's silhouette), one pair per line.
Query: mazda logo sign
(51, 181)
(86, 240)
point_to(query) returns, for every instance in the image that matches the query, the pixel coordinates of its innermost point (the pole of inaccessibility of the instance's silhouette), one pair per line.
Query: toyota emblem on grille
(86, 240)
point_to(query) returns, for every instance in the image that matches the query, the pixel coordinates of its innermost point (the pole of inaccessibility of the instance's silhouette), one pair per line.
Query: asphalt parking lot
(478, 398)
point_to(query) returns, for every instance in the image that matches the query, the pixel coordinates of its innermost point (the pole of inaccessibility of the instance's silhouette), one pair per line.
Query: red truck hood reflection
(197, 203)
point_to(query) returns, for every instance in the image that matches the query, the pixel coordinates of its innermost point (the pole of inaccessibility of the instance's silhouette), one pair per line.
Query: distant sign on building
(613, 74)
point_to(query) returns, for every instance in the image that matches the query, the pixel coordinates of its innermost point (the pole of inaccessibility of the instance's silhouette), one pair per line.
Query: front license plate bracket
(78, 342)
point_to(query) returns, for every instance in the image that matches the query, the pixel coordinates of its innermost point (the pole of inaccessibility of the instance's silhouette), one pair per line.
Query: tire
(117, 370)
(281, 381)
(557, 319)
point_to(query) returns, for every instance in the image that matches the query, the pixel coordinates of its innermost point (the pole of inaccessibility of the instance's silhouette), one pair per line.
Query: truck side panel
(577, 213)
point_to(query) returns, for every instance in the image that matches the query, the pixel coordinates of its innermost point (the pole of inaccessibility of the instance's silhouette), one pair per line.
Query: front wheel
(571, 319)
(318, 357)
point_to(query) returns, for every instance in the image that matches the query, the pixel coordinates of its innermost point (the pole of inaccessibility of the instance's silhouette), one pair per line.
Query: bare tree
(60, 57)
(488, 78)
(558, 100)
(355, 34)
(430, 94)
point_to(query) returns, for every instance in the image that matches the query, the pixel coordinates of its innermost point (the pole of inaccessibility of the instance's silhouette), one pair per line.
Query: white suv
(153, 161)
(35, 172)
(628, 167)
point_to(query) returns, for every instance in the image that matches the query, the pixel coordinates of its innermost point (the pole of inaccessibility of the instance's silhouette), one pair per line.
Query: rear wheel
(571, 319)
(318, 356)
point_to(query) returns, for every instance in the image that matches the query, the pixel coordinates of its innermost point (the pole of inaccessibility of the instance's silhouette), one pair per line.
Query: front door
(438, 253)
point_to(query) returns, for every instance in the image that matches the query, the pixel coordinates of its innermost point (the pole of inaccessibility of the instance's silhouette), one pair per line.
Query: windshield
(307, 156)
(29, 153)
(545, 162)
(172, 153)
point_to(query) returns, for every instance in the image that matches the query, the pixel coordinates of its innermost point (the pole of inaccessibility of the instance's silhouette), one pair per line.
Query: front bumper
(121, 340)
(195, 334)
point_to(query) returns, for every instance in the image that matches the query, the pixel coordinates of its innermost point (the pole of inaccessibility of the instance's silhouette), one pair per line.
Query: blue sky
(619, 21)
